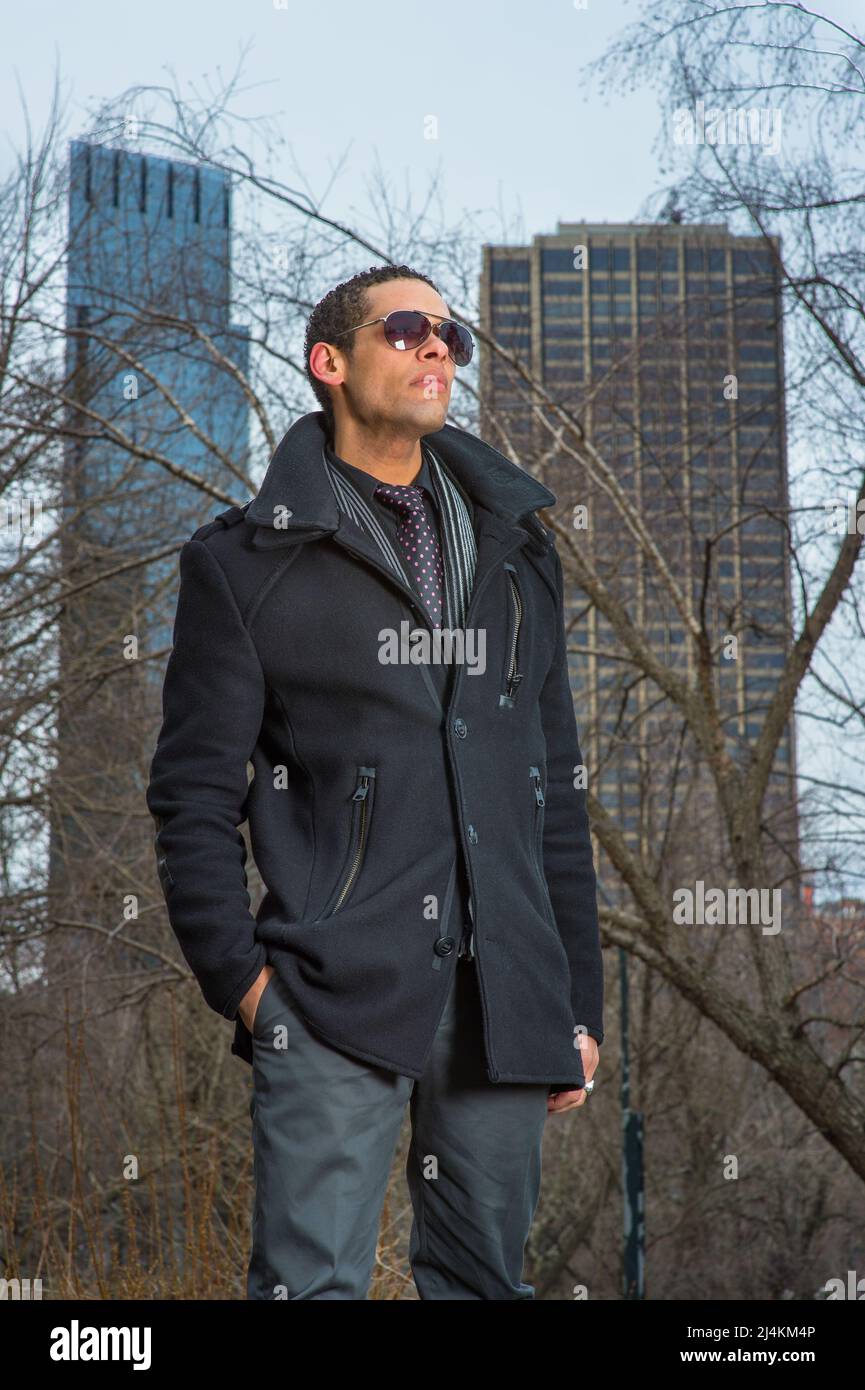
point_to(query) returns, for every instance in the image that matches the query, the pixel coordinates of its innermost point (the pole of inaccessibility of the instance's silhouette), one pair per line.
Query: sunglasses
(407, 329)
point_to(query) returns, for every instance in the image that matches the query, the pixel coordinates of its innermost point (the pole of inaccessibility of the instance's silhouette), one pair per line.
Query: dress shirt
(366, 484)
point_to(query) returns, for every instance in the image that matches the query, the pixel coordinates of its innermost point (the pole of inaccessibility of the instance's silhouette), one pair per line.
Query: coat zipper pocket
(361, 813)
(537, 831)
(166, 877)
(513, 676)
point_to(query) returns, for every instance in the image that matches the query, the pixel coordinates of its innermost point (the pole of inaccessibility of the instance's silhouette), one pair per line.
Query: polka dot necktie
(419, 543)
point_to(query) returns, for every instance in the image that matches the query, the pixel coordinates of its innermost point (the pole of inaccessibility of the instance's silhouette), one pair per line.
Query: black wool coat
(366, 783)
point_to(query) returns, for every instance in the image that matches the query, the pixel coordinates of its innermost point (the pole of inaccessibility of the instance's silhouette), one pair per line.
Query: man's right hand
(249, 1003)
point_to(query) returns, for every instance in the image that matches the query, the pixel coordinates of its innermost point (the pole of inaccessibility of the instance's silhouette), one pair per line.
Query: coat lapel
(295, 502)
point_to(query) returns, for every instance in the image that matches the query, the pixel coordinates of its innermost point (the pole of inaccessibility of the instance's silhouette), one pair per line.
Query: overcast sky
(515, 132)
(517, 141)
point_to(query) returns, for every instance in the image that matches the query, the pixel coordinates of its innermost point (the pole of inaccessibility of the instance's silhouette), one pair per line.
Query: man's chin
(416, 417)
(429, 416)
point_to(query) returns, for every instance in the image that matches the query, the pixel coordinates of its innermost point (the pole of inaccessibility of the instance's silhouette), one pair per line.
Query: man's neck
(391, 458)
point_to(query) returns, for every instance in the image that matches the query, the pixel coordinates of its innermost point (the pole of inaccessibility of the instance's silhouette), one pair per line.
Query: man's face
(381, 387)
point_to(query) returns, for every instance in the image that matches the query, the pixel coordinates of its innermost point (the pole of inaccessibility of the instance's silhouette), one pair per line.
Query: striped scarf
(456, 533)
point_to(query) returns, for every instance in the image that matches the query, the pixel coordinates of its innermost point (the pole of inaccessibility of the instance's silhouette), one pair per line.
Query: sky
(516, 134)
(521, 140)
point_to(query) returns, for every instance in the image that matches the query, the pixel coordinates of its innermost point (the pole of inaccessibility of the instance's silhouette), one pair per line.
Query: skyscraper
(665, 340)
(152, 355)
(153, 376)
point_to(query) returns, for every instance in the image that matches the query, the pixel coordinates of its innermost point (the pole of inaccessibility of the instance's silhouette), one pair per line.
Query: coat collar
(366, 484)
(295, 497)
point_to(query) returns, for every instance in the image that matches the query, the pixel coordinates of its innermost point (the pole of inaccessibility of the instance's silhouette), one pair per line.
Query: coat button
(473, 835)
(444, 946)
(460, 728)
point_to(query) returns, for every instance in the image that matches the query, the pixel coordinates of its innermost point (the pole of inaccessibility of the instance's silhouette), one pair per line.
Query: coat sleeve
(567, 846)
(212, 702)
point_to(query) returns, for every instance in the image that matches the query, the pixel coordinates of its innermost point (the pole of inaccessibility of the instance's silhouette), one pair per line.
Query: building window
(507, 272)
(752, 262)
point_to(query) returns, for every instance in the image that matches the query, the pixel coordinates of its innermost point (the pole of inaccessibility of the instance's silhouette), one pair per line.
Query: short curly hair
(341, 308)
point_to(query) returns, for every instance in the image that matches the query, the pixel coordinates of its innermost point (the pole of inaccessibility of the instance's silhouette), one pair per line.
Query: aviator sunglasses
(407, 329)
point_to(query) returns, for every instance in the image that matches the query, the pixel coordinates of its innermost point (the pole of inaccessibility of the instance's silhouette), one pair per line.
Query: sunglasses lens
(458, 341)
(406, 329)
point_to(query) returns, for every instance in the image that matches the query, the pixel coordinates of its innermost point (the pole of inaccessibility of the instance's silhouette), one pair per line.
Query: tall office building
(152, 354)
(665, 340)
(153, 367)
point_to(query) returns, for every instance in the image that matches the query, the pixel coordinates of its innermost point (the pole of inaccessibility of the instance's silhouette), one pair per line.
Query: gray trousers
(325, 1128)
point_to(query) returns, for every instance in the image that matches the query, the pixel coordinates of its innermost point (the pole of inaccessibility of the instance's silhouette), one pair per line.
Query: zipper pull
(362, 788)
(536, 778)
(513, 682)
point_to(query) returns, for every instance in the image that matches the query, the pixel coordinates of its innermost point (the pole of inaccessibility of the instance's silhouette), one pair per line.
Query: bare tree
(124, 478)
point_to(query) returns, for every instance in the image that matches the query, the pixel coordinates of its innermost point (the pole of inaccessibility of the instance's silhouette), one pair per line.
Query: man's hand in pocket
(249, 1002)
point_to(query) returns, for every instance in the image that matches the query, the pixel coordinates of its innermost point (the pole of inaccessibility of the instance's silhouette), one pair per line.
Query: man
(428, 934)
